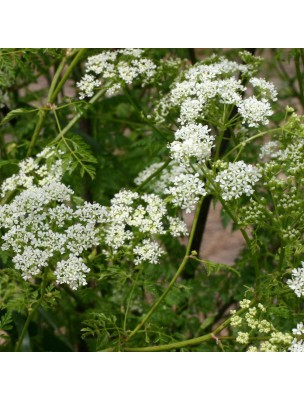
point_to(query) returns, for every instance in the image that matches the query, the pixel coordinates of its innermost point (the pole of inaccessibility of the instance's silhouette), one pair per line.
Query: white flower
(177, 227)
(299, 330)
(296, 345)
(164, 179)
(296, 283)
(269, 149)
(191, 141)
(115, 67)
(237, 179)
(187, 191)
(72, 272)
(266, 89)
(255, 112)
(147, 251)
(87, 85)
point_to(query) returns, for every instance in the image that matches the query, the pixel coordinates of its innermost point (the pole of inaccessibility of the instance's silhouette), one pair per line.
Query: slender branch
(67, 74)
(31, 314)
(77, 117)
(189, 342)
(177, 274)
(299, 78)
(152, 176)
(41, 116)
(56, 78)
(53, 91)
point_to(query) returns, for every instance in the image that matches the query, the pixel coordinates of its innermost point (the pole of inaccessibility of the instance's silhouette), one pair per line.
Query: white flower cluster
(41, 226)
(269, 149)
(131, 221)
(117, 67)
(207, 87)
(266, 89)
(292, 157)
(192, 141)
(296, 283)
(255, 112)
(299, 330)
(252, 213)
(296, 346)
(186, 191)
(237, 179)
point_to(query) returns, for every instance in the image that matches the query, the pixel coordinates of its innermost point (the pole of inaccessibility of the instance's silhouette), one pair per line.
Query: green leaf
(78, 154)
(15, 113)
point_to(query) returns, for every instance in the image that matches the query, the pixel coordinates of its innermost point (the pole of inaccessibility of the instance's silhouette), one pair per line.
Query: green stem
(31, 314)
(299, 78)
(219, 143)
(51, 96)
(142, 113)
(158, 171)
(75, 61)
(41, 116)
(129, 302)
(177, 274)
(244, 142)
(55, 79)
(189, 342)
(77, 117)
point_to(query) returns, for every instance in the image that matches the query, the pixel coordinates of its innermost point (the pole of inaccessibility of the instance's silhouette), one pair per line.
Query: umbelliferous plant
(99, 169)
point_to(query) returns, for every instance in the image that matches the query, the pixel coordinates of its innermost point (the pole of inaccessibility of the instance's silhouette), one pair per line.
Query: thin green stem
(244, 142)
(77, 117)
(55, 79)
(50, 98)
(219, 143)
(41, 116)
(299, 78)
(75, 61)
(142, 113)
(33, 311)
(152, 176)
(129, 302)
(177, 274)
(189, 342)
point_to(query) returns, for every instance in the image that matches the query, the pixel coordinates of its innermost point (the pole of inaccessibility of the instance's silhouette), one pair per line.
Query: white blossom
(72, 272)
(296, 283)
(149, 251)
(238, 179)
(87, 85)
(255, 112)
(186, 191)
(177, 227)
(266, 89)
(116, 68)
(297, 345)
(299, 330)
(191, 141)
